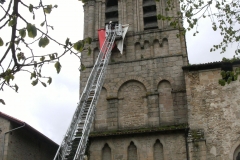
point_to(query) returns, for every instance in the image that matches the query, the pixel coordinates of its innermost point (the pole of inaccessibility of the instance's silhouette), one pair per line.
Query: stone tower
(142, 111)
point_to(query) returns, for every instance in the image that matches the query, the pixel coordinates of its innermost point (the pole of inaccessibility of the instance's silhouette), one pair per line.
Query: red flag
(101, 37)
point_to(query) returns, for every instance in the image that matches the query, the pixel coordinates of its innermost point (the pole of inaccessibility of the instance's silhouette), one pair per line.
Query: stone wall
(214, 110)
(143, 45)
(141, 94)
(27, 145)
(144, 87)
(139, 147)
(5, 127)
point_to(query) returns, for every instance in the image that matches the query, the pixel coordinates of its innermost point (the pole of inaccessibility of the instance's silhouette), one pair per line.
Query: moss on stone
(139, 130)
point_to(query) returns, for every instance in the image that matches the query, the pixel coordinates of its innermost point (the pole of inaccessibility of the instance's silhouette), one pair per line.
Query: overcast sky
(50, 109)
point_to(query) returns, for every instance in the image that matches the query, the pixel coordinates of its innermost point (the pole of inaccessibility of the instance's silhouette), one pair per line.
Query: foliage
(225, 19)
(223, 14)
(19, 55)
(229, 76)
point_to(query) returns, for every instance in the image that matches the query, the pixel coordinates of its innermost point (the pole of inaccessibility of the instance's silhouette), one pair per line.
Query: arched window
(158, 150)
(111, 13)
(132, 152)
(236, 155)
(106, 152)
(150, 14)
(166, 102)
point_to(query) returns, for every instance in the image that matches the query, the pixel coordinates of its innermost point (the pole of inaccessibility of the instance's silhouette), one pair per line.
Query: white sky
(50, 109)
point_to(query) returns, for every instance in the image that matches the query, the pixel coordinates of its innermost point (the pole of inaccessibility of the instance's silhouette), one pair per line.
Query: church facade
(153, 105)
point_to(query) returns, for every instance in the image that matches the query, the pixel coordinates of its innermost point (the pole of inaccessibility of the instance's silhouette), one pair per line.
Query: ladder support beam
(74, 143)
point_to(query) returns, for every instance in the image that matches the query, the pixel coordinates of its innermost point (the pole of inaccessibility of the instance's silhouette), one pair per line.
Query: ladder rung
(80, 127)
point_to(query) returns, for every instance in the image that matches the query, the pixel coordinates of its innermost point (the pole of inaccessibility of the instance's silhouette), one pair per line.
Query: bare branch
(6, 11)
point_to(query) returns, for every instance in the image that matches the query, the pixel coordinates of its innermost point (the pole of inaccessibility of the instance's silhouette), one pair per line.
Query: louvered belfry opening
(150, 14)
(111, 13)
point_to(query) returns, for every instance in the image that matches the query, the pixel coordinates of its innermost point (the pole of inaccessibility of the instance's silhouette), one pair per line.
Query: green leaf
(89, 51)
(66, 42)
(35, 64)
(58, 66)
(52, 56)
(13, 21)
(30, 8)
(44, 84)
(221, 82)
(1, 42)
(35, 82)
(32, 30)
(16, 87)
(33, 75)
(42, 58)
(49, 80)
(22, 33)
(11, 76)
(88, 40)
(48, 9)
(55, 6)
(42, 24)
(79, 46)
(17, 41)
(20, 56)
(43, 42)
(82, 67)
(7, 78)
(2, 101)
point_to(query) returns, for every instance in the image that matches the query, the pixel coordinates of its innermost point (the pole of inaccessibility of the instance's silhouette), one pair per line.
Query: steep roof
(27, 127)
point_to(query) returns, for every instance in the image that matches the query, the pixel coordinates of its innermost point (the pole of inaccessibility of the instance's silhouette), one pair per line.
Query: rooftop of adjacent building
(212, 65)
(27, 127)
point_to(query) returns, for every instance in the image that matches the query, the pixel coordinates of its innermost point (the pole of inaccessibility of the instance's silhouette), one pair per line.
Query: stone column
(96, 20)
(112, 114)
(153, 110)
(159, 8)
(129, 15)
(103, 8)
(85, 7)
(140, 16)
(91, 18)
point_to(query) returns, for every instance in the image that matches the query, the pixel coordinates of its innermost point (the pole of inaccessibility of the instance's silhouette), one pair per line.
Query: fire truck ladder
(74, 143)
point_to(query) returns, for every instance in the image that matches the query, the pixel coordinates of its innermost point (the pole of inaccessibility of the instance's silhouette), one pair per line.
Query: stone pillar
(91, 18)
(112, 113)
(153, 110)
(159, 8)
(129, 14)
(140, 15)
(102, 20)
(97, 14)
(85, 7)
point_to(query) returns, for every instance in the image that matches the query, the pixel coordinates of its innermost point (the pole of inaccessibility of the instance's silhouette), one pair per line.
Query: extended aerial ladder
(75, 140)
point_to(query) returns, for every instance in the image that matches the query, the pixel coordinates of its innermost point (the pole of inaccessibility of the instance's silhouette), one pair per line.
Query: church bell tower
(142, 110)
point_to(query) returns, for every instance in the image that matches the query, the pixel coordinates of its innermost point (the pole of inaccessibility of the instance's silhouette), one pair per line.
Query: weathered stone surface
(23, 143)
(215, 110)
(144, 87)
(144, 147)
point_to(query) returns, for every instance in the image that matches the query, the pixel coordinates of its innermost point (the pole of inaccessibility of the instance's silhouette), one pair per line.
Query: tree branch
(6, 11)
